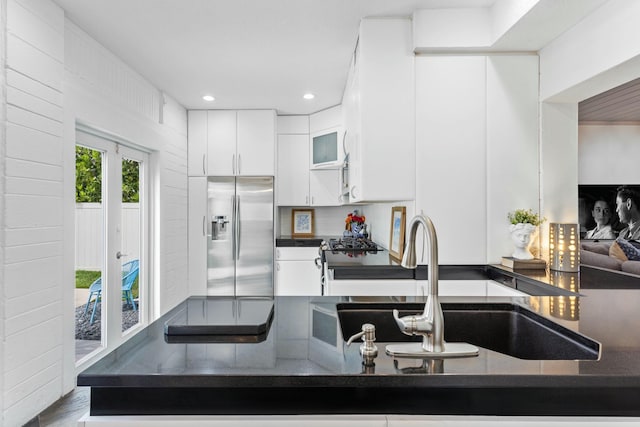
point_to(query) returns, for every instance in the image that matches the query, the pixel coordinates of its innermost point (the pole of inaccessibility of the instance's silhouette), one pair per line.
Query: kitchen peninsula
(294, 371)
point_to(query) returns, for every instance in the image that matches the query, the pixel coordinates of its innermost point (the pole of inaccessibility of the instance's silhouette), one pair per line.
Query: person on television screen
(628, 209)
(602, 216)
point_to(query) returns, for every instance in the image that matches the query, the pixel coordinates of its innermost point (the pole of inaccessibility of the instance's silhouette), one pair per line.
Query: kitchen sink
(502, 327)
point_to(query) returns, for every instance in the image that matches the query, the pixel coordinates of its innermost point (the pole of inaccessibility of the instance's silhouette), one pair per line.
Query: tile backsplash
(329, 221)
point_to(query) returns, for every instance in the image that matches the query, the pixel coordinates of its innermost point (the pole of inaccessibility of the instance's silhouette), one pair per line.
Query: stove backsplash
(329, 221)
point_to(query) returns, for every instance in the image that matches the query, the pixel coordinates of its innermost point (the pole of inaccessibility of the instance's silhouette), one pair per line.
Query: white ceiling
(247, 53)
(268, 53)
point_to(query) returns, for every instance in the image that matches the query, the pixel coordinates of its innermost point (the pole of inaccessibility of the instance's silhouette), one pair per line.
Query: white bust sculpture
(521, 236)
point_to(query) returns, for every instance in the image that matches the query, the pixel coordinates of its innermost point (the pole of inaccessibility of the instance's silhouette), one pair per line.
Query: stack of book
(524, 264)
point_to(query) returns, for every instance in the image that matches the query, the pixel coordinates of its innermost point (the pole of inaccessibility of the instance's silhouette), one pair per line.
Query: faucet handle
(413, 325)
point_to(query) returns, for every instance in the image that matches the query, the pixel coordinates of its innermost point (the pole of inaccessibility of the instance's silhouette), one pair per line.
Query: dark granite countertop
(290, 372)
(290, 242)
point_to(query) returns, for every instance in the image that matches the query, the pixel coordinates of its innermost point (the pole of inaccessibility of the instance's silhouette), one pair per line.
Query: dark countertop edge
(524, 283)
(484, 381)
(387, 272)
(295, 400)
(307, 242)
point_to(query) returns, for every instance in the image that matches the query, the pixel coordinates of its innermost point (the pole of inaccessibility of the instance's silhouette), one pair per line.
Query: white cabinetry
(228, 142)
(297, 185)
(477, 114)
(296, 272)
(197, 230)
(293, 170)
(197, 143)
(379, 113)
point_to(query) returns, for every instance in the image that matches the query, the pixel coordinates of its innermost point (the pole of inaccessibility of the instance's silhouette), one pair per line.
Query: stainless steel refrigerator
(241, 239)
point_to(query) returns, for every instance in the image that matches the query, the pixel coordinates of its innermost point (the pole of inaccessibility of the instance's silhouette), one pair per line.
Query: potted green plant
(524, 222)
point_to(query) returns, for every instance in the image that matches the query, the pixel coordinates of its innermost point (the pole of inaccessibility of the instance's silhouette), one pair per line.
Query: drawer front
(296, 254)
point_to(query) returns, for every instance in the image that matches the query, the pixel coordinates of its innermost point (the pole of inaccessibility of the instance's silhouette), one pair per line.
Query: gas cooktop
(359, 244)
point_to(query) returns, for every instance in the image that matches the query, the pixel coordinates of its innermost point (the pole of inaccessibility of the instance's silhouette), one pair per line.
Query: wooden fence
(90, 235)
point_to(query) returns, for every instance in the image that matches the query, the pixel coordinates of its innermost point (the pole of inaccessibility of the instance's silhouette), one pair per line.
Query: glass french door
(111, 243)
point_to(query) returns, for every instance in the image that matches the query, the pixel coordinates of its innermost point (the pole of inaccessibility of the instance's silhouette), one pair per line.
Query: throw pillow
(632, 253)
(616, 252)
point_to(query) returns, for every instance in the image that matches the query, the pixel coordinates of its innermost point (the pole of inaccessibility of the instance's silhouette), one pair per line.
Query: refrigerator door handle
(234, 226)
(238, 228)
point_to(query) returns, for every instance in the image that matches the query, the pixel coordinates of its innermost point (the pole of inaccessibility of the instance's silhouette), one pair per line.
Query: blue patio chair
(129, 275)
(130, 272)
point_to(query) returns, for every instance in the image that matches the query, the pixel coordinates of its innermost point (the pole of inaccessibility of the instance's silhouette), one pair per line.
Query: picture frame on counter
(396, 235)
(302, 222)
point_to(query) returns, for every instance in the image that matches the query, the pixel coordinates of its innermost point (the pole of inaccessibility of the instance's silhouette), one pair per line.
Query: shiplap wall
(33, 205)
(105, 93)
(55, 76)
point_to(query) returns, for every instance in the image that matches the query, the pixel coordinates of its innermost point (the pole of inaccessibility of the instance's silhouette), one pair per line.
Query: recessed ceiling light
(208, 98)
(308, 96)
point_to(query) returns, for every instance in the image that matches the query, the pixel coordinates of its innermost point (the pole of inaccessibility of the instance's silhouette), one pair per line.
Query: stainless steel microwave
(327, 149)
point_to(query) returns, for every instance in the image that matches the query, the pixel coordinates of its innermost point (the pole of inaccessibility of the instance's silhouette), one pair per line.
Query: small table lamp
(564, 247)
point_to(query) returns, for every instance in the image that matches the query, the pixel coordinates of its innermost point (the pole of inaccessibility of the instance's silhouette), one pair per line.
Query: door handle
(233, 163)
(234, 225)
(204, 226)
(120, 255)
(239, 164)
(204, 165)
(238, 227)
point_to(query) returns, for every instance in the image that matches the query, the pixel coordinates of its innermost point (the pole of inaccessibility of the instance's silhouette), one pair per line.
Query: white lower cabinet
(296, 272)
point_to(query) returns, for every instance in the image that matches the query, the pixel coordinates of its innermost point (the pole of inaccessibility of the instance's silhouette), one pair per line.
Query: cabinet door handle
(312, 200)
(239, 164)
(306, 200)
(204, 225)
(233, 164)
(277, 253)
(278, 266)
(204, 164)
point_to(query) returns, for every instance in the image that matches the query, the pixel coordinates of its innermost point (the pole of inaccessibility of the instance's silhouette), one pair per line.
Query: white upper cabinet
(379, 113)
(324, 187)
(221, 142)
(297, 185)
(228, 142)
(197, 143)
(256, 142)
(292, 179)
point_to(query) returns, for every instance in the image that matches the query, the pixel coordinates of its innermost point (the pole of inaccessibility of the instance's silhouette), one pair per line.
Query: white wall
(103, 93)
(608, 154)
(56, 75)
(33, 223)
(597, 54)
